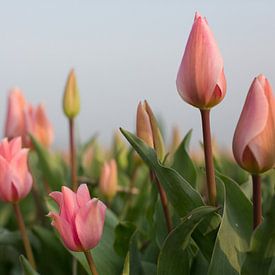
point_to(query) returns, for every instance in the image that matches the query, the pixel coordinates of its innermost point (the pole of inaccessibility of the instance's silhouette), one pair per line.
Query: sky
(126, 51)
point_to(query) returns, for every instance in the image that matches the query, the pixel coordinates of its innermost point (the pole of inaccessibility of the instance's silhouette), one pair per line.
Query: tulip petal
(82, 195)
(89, 223)
(57, 197)
(66, 232)
(6, 191)
(70, 204)
(256, 107)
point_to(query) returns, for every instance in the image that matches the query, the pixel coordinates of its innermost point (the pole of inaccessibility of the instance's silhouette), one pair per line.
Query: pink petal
(89, 223)
(6, 192)
(252, 120)
(70, 205)
(15, 145)
(57, 197)
(82, 195)
(65, 230)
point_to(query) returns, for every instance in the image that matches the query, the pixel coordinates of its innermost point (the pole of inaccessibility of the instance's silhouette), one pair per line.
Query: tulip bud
(254, 138)
(71, 100)
(15, 120)
(80, 220)
(38, 125)
(108, 179)
(15, 178)
(201, 80)
(148, 130)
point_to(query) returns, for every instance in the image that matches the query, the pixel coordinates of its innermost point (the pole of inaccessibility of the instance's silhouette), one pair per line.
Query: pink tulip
(254, 138)
(38, 125)
(15, 178)
(80, 220)
(14, 126)
(108, 179)
(201, 80)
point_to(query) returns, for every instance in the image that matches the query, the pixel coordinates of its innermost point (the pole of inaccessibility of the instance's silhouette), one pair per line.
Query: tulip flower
(254, 138)
(38, 125)
(148, 130)
(80, 220)
(15, 178)
(201, 83)
(14, 126)
(201, 80)
(15, 183)
(108, 179)
(71, 100)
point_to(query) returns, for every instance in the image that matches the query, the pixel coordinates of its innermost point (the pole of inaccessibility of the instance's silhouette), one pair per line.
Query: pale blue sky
(125, 51)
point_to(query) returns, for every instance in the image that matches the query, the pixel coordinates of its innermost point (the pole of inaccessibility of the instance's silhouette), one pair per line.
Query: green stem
(73, 155)
(257, 200)
(164, 202)
(24, 234)
(91, 262)
(208, 156)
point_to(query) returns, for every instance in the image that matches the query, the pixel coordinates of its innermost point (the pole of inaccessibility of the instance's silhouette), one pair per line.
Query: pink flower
(24, 119)
(201, 80)
(38, 125)
(254, 138)
(14, 126)
(15, 178)
(108, 179)
(80, 220)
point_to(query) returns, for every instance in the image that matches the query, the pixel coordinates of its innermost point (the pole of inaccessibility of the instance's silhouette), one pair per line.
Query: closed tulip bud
(80, 220)
(148, 130)
(254, 138)
(108, 179)
(143, 125)
(201, 80)
(38, 125)
(71, 100)
(14, 126)
(15, 178)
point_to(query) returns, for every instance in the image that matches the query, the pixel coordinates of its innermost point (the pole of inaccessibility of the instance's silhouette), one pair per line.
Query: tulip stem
(91, 262)
(24, 234)
(208, 156)
(257, 197)
(164, 202)
(73, 155)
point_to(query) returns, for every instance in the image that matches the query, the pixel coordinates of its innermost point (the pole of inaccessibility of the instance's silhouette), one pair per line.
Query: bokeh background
(126, 51)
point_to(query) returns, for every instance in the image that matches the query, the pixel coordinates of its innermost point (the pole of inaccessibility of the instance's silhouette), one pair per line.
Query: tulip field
(144, 205)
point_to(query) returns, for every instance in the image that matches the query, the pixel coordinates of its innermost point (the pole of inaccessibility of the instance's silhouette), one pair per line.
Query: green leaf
(183, 164)
(183, 197)
(260, 259)
(235, 231)
(123, 234)
(27, 268)
(181, 194)
(173, 258)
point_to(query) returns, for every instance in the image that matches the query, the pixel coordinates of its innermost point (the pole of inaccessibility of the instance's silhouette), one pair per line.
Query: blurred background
(124, 52)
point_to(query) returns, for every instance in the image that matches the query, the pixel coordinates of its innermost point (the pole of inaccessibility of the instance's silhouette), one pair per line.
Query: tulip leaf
(27, 268)
(183, 197)
(123, 233)
(183, 164)
(174, 258)
(235, 230)
(260, 259)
